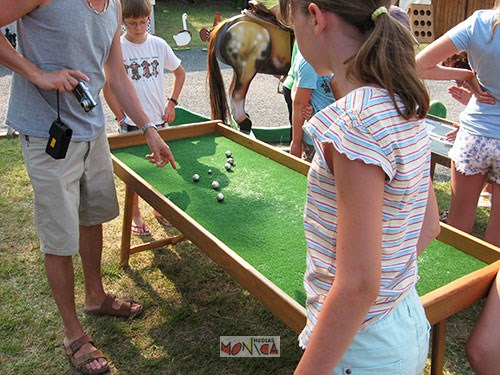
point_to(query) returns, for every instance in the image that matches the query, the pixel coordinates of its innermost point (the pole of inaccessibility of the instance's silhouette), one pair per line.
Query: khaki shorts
(77, 190)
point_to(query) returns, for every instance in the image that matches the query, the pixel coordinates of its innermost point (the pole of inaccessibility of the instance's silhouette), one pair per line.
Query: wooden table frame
(439, 304)
(439, 157)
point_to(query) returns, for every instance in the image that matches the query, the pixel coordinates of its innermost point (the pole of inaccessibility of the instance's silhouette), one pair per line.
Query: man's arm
(62, 80)
(126, 97)
(112, 102)
(177, 84)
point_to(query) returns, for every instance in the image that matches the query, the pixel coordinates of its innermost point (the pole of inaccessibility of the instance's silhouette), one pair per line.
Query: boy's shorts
(77, 190)
(396, 344)
(474, 154)
(126, 128)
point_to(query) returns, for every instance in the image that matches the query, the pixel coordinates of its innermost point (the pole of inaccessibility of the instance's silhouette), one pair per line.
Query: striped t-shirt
(365, 126)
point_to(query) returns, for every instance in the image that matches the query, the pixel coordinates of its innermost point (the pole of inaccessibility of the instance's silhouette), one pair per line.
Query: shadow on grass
(204, 304)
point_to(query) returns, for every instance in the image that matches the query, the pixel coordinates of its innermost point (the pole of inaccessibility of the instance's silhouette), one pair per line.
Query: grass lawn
(189, 302)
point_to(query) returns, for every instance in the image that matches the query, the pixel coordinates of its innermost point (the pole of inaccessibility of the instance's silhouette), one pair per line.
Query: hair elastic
(377, 12)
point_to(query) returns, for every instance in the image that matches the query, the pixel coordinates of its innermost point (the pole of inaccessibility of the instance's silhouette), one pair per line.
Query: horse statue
(251, 42)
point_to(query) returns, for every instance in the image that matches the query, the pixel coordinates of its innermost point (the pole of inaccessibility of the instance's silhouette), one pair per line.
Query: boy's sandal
(163, 221)
(106, 308)
(81, 362)
(140, 230)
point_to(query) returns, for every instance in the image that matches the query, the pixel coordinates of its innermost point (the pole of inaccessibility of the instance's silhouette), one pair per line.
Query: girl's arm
(429, 59)
(300, 99)
(357, 281)
(430, 227)
(428, 65)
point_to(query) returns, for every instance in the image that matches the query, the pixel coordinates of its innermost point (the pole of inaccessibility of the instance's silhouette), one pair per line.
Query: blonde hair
(136, 8)
(387, 56)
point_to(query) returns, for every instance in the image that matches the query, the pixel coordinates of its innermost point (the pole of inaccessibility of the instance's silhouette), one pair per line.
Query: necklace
(95, 10)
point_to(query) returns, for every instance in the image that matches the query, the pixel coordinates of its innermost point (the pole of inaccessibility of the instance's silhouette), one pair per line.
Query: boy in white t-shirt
(145, 57)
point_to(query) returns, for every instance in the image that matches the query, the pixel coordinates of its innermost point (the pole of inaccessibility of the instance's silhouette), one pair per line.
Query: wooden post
(126, 228)
(438, 347)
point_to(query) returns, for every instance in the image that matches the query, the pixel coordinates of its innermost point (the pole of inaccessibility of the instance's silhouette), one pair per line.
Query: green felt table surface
(261, 217)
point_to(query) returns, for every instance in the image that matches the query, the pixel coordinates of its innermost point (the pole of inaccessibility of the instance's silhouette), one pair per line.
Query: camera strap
(58, 112)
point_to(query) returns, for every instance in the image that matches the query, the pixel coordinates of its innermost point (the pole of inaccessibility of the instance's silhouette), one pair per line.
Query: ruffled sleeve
(358, 138)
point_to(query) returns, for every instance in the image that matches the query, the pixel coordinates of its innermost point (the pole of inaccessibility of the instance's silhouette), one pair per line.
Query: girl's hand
(307, 112)
(460, 94)
(452, 135)
(481, 95)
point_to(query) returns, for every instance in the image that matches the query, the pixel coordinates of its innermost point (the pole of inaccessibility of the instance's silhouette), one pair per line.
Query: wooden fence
(448, 13)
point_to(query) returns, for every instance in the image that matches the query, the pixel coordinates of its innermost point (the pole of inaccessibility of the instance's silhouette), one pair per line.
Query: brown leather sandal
(80, 362)
(106, 308)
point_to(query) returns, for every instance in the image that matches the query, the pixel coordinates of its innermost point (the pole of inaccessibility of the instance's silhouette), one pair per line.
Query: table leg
(438, 347)
(126, 228)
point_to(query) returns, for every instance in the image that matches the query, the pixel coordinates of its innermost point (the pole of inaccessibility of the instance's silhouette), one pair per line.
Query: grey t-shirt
(64, 34)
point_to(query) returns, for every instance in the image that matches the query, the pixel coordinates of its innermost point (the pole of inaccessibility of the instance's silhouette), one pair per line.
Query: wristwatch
(173, 101)
(147, 126)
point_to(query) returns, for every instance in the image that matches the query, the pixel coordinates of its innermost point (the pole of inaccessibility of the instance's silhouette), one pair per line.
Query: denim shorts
(397, 344)
(474, 154)
(77, 190)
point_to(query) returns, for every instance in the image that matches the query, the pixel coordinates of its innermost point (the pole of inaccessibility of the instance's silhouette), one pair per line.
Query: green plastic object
(278, 134)
(438, 109)
(185, 116)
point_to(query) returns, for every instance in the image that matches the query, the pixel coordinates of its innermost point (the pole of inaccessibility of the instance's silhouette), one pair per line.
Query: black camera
(59, 138)
(83, 95)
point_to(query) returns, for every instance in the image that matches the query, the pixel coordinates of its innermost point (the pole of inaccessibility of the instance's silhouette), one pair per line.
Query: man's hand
(63, 80)
(161, 154)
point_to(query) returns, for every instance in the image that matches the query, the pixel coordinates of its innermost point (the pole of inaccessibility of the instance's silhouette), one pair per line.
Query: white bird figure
(183, 37)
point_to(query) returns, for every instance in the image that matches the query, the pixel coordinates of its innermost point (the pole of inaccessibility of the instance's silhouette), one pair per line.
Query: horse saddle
(260, 13)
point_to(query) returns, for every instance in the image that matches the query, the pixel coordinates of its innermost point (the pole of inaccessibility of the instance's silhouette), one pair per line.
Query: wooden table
(439, 304)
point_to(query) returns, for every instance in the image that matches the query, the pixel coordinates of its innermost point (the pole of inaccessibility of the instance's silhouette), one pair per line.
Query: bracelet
(147, 126)
(122, 120)
(173, 101)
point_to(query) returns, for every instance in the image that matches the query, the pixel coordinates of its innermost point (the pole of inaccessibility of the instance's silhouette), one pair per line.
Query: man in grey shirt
(62, 42)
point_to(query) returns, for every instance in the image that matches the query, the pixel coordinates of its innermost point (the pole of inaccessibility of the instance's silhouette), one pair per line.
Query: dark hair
(387, 56)
(136, 8)
(458, 60)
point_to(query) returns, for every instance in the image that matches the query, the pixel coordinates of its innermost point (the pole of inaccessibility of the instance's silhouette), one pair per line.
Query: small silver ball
(228, 154)
(227, 166)
(209, 171)
(196, 177)
(215, 184)
(230, 161)
(220, 197)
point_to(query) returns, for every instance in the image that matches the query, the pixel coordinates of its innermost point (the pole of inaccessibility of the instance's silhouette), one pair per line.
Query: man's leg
(60, 275)
(91, 254)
